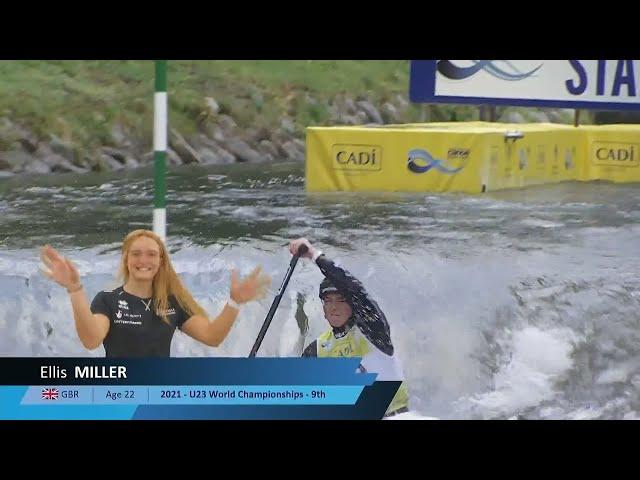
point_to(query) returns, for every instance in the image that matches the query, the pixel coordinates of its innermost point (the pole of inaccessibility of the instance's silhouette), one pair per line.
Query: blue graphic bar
(255, 395)
(58, 396)
(129, 395)
(192, 395)
(12, 408)
(183, 371)
(196, 402)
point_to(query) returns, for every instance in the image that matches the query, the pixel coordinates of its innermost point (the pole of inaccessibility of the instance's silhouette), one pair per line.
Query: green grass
(81, 100)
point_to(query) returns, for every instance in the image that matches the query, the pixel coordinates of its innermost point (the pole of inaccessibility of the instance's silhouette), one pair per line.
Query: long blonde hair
(165, 283)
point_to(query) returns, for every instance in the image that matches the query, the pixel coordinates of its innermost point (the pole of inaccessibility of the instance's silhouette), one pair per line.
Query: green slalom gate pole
(160, 150)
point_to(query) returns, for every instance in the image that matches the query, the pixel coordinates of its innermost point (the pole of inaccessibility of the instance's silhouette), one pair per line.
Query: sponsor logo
(421, 161)
(501, 69)
(454, 153)
(615, 154)
(357, 157)
(128, 322)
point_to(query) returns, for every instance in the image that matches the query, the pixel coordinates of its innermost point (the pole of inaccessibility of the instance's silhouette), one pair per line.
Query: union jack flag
(49, 393)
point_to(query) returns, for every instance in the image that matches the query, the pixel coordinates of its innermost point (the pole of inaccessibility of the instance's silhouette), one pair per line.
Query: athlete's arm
(368, 316)
(92, 328)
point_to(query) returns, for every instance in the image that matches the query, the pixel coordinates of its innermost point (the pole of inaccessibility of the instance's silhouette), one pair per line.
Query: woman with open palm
(139, 318)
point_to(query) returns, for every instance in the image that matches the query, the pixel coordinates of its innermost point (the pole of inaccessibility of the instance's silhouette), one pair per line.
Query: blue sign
(585, 84)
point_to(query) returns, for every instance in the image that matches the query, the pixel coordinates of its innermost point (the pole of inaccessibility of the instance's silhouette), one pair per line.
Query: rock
(212, 105)
(4, 164)
(208, 156)
(119, 155)
(186, 152)
(24, 137)
(227, 123)
(58, 163)
(389, 113)
(287, 125)
(262, 133)
(292, 152)
(107, 162)
(173, 158)
(242, 151)
(18, 160)
(64, 165)
(251, 135)
(122, 156)
(131, 162)
(350, 106)
(352, 119)
(218, 135)
(225, 156)
(30, 145)
(37, 166)
(538, 116)
(6, 126)
(361, 118)
(146, 158)
(6, 174)
(280, 136)
(300, 144)
(212, 131)
(267, 147)
(43, 151)
(370, 110)
(63, 148)
(334, 113)
(119, 135)
(402, 101)
(512, 117)
(558, 116)
(91, 160)
(205, 141)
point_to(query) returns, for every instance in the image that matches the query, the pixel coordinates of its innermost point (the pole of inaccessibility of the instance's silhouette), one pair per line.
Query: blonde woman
(139, 318)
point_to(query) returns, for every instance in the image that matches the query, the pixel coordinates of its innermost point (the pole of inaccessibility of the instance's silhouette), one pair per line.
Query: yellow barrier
(613, 152)
(470, 157)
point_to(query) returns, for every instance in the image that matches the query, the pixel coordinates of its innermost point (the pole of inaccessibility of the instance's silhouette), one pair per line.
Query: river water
(516, 304)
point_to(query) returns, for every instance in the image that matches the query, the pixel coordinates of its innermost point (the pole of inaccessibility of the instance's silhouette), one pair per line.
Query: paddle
(276, 301)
